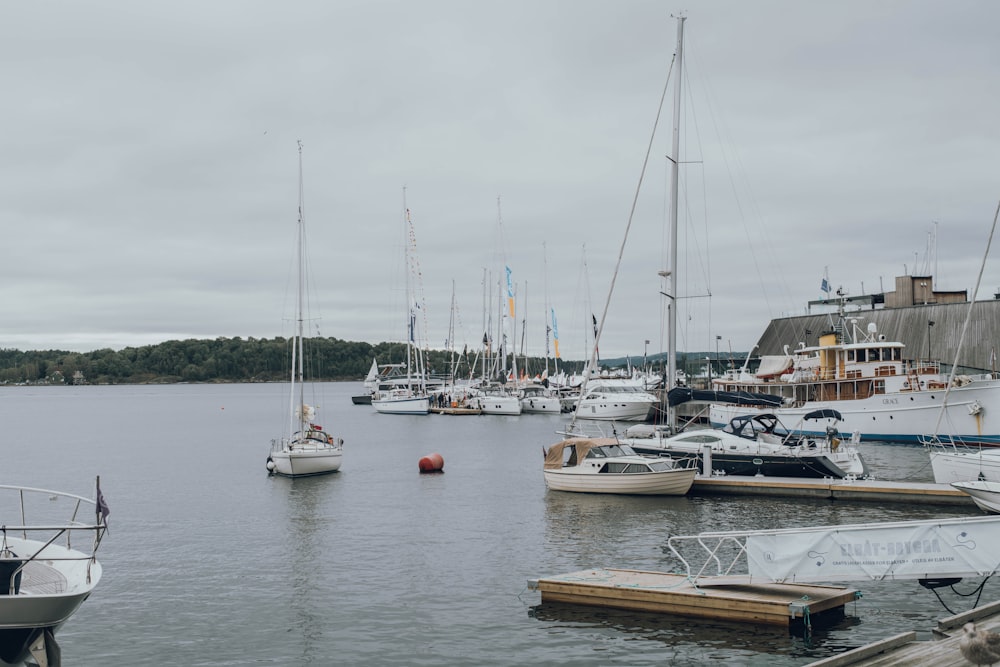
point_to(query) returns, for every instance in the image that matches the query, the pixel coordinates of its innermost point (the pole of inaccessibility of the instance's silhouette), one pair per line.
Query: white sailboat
(958, 459)
(411, 397)
(307, 449)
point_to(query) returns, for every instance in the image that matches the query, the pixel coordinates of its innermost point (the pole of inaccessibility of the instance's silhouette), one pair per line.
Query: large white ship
(879, 394)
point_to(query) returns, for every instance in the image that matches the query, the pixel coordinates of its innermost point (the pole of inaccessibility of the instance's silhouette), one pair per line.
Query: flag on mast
(510, 292)
(555, 332)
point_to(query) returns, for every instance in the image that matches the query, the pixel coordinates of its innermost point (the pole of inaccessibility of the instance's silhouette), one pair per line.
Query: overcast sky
(149, 166)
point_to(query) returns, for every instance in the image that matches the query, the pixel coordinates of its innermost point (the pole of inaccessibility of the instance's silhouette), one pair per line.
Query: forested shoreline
(227, 360)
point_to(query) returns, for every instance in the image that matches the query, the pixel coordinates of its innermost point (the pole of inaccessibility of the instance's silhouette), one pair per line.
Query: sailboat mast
(297, 363)
(672, 256)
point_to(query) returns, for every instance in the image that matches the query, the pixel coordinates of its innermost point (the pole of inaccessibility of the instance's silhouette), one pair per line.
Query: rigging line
(965, 325)
(726, 140)
(628, 226)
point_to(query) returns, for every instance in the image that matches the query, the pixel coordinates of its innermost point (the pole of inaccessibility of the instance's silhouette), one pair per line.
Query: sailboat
(307, 449)
(411, 397)
(745, 446)
(956, 458)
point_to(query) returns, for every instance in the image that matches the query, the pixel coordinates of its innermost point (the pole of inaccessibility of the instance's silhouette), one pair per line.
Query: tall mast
(410, 315)
(297, 363)
(671, 272)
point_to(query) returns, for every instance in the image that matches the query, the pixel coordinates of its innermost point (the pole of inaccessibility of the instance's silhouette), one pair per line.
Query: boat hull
(306, 463)
(613, 411)
(541, 405)
(499, 405)
(676, 482)
(959, 465)
(419, 405)
(810, 467)
(986, 495)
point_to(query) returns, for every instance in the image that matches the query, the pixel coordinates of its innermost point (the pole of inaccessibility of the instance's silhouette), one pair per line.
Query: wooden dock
(922, 493)
(903, 650)
(723, 598)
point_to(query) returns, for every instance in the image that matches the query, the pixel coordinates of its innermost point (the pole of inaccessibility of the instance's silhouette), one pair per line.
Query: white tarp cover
(773, 365)
(904, 550)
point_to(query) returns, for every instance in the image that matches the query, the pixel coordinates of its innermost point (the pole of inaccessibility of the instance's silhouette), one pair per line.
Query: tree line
(231, 360)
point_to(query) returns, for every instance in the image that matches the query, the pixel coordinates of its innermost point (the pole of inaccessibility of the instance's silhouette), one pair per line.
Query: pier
(872, 490)
(903, 650)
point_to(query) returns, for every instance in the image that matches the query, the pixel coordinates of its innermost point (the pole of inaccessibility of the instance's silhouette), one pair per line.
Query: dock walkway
(872, 490)
(903, 650)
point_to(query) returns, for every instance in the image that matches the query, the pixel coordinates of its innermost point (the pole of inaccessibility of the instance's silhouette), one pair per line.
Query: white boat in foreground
(307, 449)
(601, 465)
(985, 494)
(48, 567)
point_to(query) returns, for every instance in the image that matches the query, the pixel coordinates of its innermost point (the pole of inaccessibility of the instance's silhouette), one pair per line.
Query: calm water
(211, 562)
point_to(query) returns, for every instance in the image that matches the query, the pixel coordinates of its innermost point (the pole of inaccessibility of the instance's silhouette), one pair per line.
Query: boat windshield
(605, 451)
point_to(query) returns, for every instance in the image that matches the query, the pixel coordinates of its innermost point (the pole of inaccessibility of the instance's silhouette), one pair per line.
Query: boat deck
(41, 579)
(724, 598)
(922, 493)
(903, 650)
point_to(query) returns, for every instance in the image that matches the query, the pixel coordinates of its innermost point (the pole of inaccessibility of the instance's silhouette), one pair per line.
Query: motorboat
(601, 465)
(985, 494)
(536, 398)
(756, 445)
(306, 449)
(48, 567)
(401, 401)
(495, 399)
(615, 400)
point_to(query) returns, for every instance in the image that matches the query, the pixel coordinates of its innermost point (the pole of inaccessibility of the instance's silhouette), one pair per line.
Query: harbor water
(209, 561)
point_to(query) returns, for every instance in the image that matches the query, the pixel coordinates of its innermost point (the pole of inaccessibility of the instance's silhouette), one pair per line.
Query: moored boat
(48, 567)
(306, 449)
(880, 395)
(601, 465)
(757, 445)
(615, 400)
(985, 494)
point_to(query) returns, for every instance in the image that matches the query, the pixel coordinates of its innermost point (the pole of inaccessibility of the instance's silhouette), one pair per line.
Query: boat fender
(270, 464)
(431, 463)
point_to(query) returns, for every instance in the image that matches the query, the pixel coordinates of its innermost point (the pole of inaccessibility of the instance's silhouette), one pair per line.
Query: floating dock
(921, 493)
(722, 598)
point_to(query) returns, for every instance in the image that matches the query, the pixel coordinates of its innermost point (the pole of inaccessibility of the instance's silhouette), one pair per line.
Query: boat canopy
(679, 395)
(771, 366)
(554, 457)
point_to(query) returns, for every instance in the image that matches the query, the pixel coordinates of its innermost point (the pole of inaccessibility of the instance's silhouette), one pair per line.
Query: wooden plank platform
(903, 650)
(873, 490)
(456, 411)
(731, 599)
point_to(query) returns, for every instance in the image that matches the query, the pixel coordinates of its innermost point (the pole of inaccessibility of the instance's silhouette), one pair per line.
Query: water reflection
(698, 639)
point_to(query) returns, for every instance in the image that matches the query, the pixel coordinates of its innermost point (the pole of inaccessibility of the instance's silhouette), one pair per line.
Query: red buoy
(431, 463)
